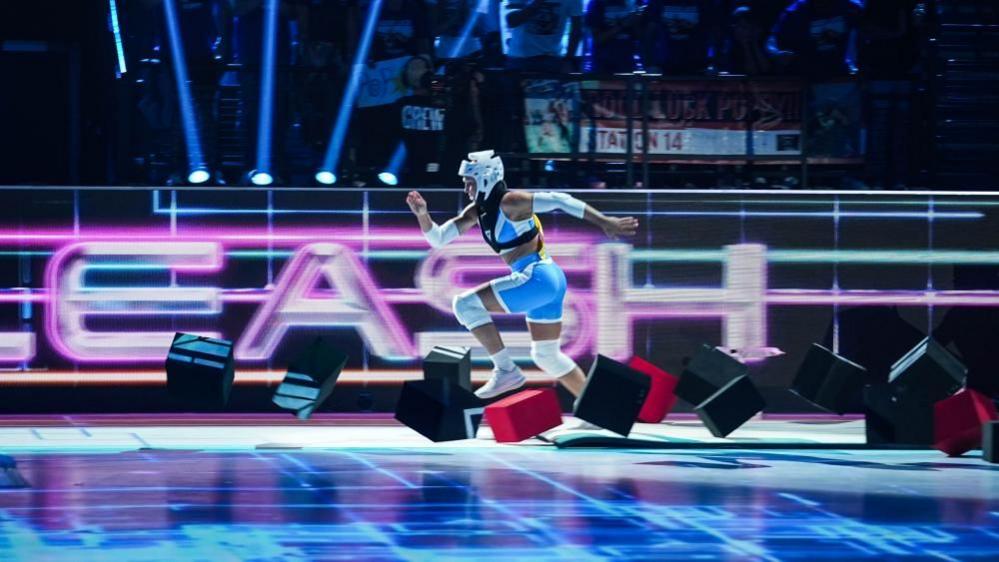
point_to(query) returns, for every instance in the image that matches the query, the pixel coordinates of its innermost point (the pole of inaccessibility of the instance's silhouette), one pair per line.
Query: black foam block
(990, 441)
(450, 363)
(612, 396)
(439, 410)
(893, 417)
(829, 381)
(709, 370)
(927, 373)
(310, 378)
(200, 371)
(872, 336)
(731, 406)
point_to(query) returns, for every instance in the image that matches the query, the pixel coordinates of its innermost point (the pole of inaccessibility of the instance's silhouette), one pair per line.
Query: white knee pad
(470, 311)
(548, 356)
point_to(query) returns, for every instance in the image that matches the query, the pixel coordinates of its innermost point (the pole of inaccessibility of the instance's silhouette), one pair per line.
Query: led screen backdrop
(96, 281)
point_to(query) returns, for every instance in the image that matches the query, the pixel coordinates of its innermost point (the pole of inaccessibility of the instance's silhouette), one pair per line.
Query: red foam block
(958, 421)
(524, 415)
(660, 399)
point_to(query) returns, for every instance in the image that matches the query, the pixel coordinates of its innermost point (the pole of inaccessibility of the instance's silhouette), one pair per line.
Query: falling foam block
(439, 410)
(892, 417)
(709, 370)
(901, 412)
(524, 415)
(829, 381)
(927, 373)
(958, 421)
(990, 441)
(200, 371)
(310, 379)
(612, 396)
(450, 363)
(661, 398)
(730, 407)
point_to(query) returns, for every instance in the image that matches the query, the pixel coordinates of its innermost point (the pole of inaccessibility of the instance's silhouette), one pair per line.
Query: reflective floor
(517, 503)
(263, 488)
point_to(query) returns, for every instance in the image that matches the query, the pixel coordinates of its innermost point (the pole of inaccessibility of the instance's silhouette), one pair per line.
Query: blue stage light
(325, 177)
(198, 176)
(261, 178)
(466, 31)
(391, 174)
(332, 157)
(388, 178)
(195, 157)
(266, 111)
(118, 45)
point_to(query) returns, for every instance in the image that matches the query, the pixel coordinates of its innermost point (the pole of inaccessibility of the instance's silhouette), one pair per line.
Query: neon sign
(327, 283)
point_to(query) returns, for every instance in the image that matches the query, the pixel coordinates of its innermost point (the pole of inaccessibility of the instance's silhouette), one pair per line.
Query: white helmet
(486, 168)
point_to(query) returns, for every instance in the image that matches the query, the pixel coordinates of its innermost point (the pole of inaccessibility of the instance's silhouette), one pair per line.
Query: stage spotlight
(391, 174)
(116, 29)
(326, 177)
(262, 175)
(195, 157)
(388, 178)
(332, 157)
(261, 178)
(198, 176)
(466, 30)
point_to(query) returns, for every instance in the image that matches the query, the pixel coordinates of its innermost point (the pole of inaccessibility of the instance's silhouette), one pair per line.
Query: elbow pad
(551, 200)
(441, 235)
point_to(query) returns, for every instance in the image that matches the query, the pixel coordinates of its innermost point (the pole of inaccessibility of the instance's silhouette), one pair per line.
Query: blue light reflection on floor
(521, 503)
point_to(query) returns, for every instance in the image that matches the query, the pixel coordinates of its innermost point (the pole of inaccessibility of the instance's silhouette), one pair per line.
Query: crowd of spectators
(450, 53)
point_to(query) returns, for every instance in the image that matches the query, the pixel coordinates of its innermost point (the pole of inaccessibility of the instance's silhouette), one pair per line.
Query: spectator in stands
(745, 47)
(402, 32)
(324, 51)
(458, 25)
(765, 11)
(422, 118)
(889, 54)
(403, 29)
(464, 128)
(492, 41)
(888, 44)
(615, 26)
(537, 29)
(819, 37)
(678, 36)
(467, 32)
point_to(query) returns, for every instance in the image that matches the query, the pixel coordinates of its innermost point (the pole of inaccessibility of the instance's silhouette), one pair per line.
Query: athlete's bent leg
(547, 355)
(472, 310)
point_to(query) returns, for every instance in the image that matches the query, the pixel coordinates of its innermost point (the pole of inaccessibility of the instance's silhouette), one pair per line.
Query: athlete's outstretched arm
(440, 235)
(546, 201)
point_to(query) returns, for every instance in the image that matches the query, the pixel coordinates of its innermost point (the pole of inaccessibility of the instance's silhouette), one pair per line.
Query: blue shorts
(536, 286)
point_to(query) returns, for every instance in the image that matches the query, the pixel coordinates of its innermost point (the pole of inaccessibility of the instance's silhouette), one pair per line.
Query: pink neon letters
(602, 306)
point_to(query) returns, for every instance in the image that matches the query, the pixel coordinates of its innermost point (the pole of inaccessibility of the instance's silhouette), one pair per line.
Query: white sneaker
(579, 424)
(501, 381)
(568, 427)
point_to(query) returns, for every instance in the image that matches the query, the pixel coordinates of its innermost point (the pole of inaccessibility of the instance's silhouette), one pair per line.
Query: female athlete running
(536, 286)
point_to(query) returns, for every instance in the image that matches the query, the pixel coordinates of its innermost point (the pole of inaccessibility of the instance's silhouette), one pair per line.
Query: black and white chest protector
(488, 210)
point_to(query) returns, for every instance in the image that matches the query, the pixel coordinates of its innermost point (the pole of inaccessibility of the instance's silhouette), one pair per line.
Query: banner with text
(700, 117)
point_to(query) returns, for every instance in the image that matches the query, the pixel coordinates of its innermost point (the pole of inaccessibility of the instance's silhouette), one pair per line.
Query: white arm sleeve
(550, 200)
(441, 235)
